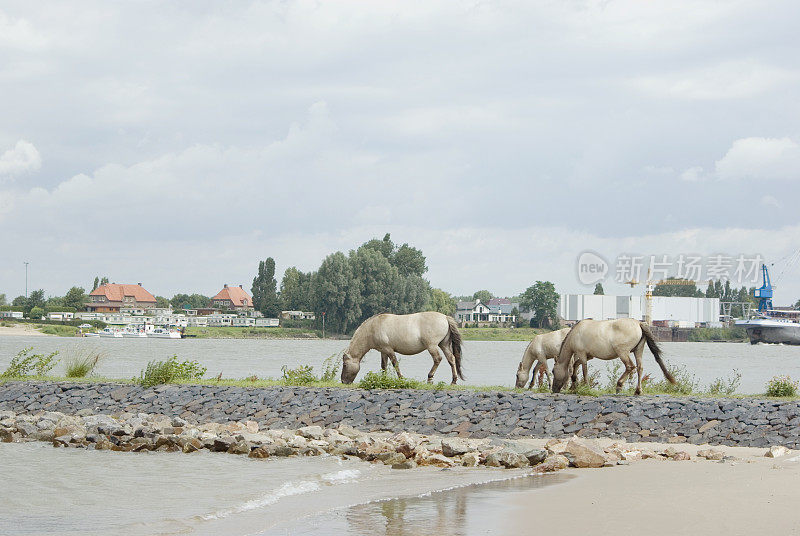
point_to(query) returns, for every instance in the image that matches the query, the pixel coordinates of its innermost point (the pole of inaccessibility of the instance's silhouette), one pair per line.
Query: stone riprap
(469, 414)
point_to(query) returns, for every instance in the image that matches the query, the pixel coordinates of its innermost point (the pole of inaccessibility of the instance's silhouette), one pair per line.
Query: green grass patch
(500, 334)
(735, 333)
(58, 330)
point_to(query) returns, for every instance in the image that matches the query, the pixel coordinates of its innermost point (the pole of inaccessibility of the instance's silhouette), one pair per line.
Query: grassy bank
(407, 384)
(500, 334)
(731, 334)
(252, 333)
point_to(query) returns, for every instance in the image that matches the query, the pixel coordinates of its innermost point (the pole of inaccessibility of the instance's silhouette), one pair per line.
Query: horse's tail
(455, 343)
(647, 335)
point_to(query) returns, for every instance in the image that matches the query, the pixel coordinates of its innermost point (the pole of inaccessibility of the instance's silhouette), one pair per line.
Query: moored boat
(772, 326)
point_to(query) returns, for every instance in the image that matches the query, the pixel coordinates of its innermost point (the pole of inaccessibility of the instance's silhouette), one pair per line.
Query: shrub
(302, 375)
(727, 387)
(80, 366)
(331, 367)
(25, 363)
(782, 386)
(686, 383)
(171, 370)
(383, 380)
(36, 313)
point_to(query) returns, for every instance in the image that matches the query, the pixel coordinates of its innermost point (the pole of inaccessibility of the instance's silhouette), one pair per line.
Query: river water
(78, 492)
(485, 362)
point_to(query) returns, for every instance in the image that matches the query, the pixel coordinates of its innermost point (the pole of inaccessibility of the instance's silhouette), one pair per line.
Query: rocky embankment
(129, 432)
(466, 414)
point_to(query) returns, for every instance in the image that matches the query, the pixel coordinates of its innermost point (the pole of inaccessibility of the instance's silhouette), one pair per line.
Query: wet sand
(754, 495)
(751, 495)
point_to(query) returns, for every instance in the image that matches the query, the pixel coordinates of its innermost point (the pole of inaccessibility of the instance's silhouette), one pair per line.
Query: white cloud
(760, 158)
(724, 81)
(23, 158)
(770, 201)
(693, 174)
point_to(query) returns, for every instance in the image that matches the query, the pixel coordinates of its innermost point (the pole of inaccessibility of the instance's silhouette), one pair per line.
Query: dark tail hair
(455, 344)
(647, 335)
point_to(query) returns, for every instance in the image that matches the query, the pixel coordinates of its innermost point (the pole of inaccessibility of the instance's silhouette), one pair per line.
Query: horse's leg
(395, 364)
(547, 372)
(626, 360)
(637, 353)
(448, 354)
(533, 374)
(384, 361)
(437, 358)
(585, 368)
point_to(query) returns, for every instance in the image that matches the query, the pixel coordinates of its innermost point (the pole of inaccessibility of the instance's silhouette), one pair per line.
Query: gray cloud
(291, 129)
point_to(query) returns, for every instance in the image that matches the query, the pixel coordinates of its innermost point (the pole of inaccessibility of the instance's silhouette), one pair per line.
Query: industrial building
(674, 311)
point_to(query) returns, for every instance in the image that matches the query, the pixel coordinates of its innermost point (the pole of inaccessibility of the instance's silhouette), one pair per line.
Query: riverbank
(731, 490)
(21, 330)
(463, 413)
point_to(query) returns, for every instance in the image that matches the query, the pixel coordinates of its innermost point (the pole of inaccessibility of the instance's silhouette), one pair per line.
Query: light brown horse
(608, 339)
(407, 335)
(541, 348)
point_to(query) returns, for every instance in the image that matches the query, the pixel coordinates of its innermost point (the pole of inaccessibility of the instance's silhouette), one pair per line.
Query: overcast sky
(178, 143)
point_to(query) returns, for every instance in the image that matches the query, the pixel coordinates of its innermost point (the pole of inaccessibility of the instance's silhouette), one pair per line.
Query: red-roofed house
(111, 297)
(235, 298)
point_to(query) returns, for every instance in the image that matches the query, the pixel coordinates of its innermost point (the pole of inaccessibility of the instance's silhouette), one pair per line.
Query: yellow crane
(648, 292)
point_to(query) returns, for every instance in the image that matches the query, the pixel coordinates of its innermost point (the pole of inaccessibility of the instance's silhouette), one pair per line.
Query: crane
(650, 285)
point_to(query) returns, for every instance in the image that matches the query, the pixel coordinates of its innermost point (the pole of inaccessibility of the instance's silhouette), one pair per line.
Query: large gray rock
(453, 446)
(506, 458)
(586, 453)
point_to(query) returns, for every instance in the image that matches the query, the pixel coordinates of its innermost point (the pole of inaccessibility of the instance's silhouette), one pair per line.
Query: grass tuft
(27, 364)
(782, 386)
(81, 365)
(170, 371)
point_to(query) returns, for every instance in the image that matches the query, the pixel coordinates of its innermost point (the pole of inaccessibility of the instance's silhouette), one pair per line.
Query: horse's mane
(569, 334)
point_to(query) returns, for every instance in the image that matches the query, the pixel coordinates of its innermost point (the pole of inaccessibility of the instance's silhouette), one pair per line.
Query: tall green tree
(96, 283)
(162, 302)
(598, 289)
(442, 302)
(380, 283)
(688, 289)
(76, 298)
(265, 289)
(409, 261)
(542, 300)
(189, 301)
(337, 293)
(35, 299)
(483, 295)
(2, 299)
(296, 290)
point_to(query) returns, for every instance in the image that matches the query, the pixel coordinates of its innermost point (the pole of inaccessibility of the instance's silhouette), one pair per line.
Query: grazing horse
(541, 348)
(608, 339)
(407, 335)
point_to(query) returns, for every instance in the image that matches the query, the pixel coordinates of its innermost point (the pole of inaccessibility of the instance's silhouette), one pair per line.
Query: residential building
(60, 316)
(233, 298)
(267, 322)
(112, 297)
(298, 315)
(483, 313)
(11, 314)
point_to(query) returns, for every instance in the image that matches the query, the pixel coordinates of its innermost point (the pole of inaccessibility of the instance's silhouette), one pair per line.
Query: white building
(60, 316)
(11, 314)
(468, 311)
(683, 312)
(267, 322)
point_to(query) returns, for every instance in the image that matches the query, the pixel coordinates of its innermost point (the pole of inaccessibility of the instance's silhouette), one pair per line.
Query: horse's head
(522, 376)
(560, 374)
(350, 368)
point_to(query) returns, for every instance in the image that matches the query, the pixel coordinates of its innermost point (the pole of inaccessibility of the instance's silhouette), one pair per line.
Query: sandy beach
(752, 495)
(21, 330)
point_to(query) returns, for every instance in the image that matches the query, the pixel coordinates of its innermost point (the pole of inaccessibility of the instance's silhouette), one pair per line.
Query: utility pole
(26, 279)
(323, 324)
